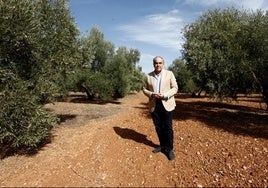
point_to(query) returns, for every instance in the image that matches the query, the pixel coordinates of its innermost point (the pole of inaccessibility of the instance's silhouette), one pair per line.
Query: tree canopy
(226, 50)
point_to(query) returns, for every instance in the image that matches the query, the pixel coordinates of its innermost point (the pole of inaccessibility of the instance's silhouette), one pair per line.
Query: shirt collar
(158, 75)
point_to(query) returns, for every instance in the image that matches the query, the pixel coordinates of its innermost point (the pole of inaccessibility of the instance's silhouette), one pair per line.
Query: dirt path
(111, 145)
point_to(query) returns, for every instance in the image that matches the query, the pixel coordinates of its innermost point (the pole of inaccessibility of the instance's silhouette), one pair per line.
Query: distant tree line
(225, 53)
(42, 57)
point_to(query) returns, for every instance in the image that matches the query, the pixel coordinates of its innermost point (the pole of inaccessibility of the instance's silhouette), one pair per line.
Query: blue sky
(154, 27)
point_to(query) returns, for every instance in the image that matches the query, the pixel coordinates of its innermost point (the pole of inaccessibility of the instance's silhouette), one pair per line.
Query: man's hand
(158, 95)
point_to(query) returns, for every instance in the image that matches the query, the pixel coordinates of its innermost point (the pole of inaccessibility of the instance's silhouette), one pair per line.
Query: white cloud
(252, 5)
(146, 62)
(163, 30)
(200, 2)
(244, 4)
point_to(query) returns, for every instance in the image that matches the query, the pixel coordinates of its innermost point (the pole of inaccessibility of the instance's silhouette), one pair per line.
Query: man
(161, 86)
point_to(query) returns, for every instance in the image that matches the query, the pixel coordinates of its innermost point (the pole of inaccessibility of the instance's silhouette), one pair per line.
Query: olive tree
(226, 51)
(105, 72)
(38, 47)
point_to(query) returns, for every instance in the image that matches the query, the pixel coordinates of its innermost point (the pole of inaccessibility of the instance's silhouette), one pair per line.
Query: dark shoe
(157, 150)
(170, 155)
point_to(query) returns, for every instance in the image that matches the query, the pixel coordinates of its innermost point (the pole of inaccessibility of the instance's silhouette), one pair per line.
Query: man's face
(158, 65)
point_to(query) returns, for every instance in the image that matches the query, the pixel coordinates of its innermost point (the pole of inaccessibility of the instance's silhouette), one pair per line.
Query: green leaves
(183, 76)
(223, 47)
(38, 47)
(105, 72)
(23, 122)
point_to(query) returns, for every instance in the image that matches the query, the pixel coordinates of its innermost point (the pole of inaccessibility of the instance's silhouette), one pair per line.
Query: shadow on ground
(7, 150)
(236, 119)
(82, 98)
(130, 134)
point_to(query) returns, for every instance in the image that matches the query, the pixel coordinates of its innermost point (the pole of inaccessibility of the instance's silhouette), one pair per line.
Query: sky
(154, 27)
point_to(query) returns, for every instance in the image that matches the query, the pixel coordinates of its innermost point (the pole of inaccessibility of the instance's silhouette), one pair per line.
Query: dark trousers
(163, 125)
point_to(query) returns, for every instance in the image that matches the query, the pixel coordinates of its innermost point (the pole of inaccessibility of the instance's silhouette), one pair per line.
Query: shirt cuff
(151, 93)
(165, 97)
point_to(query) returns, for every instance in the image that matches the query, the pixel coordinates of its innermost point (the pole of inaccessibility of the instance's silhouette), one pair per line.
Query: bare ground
(216, 144)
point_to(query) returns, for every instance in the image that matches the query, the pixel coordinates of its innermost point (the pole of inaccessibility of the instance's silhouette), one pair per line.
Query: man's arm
(173, 87)
(146, 90)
